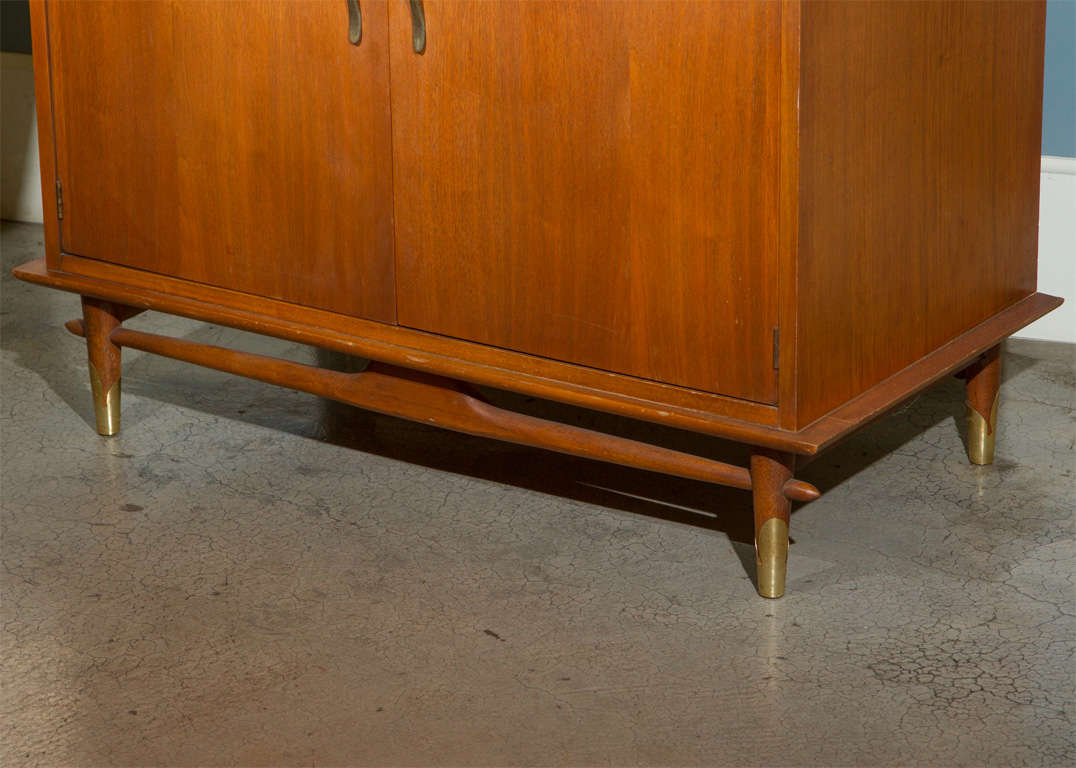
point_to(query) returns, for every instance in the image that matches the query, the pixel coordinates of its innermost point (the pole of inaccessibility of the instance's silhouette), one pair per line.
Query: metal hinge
(59, 199)
(776, 348)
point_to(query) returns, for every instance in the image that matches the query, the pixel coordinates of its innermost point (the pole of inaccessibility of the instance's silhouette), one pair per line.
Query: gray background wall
(15, 26)
(20, 177)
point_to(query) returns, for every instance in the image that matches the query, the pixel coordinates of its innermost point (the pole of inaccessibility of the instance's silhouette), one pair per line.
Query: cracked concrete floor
(252, 576)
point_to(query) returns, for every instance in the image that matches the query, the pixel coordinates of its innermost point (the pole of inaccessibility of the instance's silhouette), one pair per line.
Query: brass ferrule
(981, 434)
(106, 404)
(771, 555)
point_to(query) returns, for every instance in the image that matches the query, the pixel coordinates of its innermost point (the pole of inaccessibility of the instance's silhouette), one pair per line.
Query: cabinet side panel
(788, 205)
(45, 136)
(920, 133)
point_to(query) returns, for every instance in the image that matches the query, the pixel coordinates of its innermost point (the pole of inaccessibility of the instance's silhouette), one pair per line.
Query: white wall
(1057, 249)
(20, 177)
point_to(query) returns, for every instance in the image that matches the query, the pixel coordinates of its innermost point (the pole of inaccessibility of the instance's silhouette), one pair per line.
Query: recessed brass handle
(418, 26)
(354, 22)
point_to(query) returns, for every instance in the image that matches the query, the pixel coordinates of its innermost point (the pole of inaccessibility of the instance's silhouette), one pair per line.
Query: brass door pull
(418, 26)
(354, 22)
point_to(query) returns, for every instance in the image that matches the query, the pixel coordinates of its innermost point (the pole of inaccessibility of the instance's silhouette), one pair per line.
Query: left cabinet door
(241, 144)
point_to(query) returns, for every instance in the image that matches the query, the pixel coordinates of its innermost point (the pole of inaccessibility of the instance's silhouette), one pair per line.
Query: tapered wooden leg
(984, 382)
(100, 318)
(769, 473)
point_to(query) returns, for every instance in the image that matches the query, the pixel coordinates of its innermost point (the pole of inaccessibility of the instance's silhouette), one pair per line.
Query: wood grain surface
(984, 381)
(919, 152)
(195, 299)
(240, 144)
(533, 376)
(594, 182)
(614, 200)
(45, 132)
(99, 319)
(447, 403)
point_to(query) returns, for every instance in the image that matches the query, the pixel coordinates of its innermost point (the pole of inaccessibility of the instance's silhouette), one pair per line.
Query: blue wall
(1059, 94)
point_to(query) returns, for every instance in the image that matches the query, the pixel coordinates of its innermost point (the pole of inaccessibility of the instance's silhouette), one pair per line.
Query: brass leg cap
(771, 551)
(106, 405)
(981, 434)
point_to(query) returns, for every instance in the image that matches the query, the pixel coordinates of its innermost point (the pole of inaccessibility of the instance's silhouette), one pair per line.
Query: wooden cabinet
(239, 144)
(764, 221)
(570, 184)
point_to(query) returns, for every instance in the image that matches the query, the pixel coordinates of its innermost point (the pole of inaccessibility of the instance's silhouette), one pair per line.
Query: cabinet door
(595, 182)
(242, 144)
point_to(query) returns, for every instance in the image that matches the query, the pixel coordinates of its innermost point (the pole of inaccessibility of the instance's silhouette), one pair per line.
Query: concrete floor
(252, 576)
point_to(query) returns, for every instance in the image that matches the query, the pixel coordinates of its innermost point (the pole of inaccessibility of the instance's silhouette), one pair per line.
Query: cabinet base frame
(445, 403)
(457, 406)
(414, 350)
(428, 386)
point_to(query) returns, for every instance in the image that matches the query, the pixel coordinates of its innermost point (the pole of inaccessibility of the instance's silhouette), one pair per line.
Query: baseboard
(1066, 165)
(1057, 249)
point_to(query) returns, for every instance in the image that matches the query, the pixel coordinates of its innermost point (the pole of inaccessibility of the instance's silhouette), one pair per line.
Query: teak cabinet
(765, 221)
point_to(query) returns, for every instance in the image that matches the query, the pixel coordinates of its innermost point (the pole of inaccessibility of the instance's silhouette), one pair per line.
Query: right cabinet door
(594, 181)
